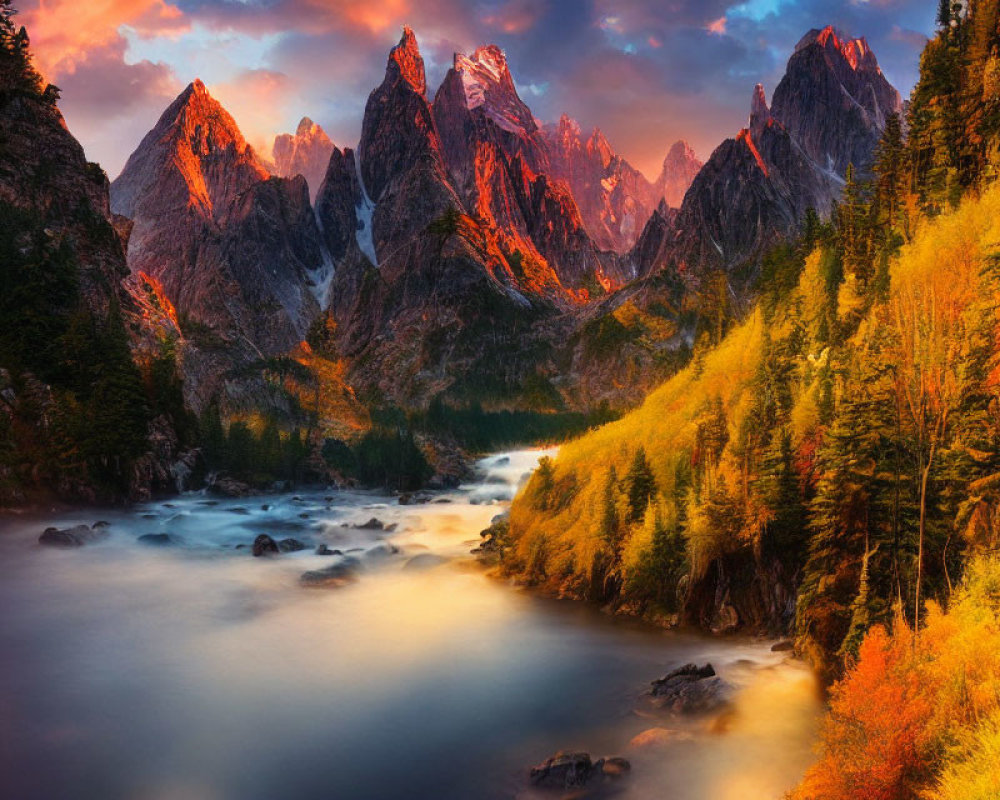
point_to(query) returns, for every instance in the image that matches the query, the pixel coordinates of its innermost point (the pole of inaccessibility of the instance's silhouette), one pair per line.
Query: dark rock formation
(77, 536)
(237, 253)
(573, 770)
(828, 112)
(691, 690)
(264, 545)
(335, 576)
(834, 100)
(158, 540)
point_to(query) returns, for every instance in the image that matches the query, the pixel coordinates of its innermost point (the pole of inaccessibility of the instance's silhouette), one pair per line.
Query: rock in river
(157, 540)
(569, 770)
(290, 545)
(337, 575)
(264, 545)
(76, 536)
(691, 690)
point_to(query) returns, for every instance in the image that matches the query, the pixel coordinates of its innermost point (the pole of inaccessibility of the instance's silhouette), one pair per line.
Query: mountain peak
(487, 83)
(307, 127)
(406, 62)
(307, 153)
(598, 144)
(679, 150)
(760, 114)
(855, 52)
(680, 167)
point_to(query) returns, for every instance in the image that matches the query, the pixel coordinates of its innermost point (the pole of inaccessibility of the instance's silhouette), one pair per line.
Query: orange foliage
(877, 736)
(895, 718)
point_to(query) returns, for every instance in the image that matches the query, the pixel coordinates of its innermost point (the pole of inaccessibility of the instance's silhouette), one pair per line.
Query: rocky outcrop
(828, 112)
(834, 100)
(691, 690)
(306, 153)
(76, 536)
(236, 252)
(573, 770)
(615, 199)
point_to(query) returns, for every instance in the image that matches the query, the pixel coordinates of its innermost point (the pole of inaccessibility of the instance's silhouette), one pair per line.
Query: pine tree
(610, 520)
(640, 486)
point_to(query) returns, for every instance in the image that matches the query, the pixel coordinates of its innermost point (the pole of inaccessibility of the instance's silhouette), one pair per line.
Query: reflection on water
(196, 672)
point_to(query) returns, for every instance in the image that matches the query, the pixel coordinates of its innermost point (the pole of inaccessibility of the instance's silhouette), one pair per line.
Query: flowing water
(197, 672)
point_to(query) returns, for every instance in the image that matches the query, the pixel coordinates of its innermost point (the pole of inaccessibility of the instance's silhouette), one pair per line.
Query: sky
(647, 72)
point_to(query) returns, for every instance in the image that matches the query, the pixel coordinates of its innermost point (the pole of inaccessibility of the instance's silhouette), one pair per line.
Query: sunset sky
(646, 71)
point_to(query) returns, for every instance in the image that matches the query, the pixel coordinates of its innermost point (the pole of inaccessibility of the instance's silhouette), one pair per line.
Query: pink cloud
(63, 32)
(515, 16)
(717, 27)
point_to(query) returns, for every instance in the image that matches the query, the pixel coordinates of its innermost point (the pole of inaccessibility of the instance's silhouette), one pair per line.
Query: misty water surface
(197, 672)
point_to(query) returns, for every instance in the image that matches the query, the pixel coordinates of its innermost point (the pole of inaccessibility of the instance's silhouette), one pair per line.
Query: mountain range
(463, 249)
(462, 253)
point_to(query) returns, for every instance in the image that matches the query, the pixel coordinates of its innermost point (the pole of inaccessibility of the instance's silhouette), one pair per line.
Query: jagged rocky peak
(197, 141)
(841, 76)
(679, 170)
(599, 146)
(306, 152)
(488, 84)
(856, 52)
(406, 63)
(760, 114)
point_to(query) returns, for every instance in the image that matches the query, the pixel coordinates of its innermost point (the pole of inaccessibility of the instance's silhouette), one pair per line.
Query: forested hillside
(834, 462)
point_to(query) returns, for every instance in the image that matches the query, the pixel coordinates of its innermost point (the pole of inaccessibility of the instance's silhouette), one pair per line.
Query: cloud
(109, 105)
(646, 71)
(66, 32)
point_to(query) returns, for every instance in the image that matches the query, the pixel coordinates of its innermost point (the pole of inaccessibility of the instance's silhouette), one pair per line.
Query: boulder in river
(331, 577)
(323, 549)
(230, 487)
(691, 690)
(374, 524)
(77, 536)
(290, 545)
(571, 770)
(264, 545)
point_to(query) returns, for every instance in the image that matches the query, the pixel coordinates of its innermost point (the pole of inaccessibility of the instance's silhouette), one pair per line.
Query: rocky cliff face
(834, 100)
(237, 252)
(306, 152)
(828, 112)
(615, 199)
(58, 413)
(432, 226)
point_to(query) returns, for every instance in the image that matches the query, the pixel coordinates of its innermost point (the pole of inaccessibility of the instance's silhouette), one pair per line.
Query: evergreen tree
(610, 521)
(640, 486)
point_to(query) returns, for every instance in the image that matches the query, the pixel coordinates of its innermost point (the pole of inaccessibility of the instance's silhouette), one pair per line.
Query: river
(197, 672)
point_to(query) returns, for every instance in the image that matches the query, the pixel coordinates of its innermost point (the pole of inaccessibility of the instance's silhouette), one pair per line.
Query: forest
(832, 466)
